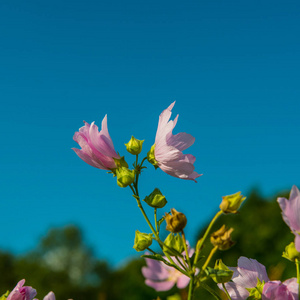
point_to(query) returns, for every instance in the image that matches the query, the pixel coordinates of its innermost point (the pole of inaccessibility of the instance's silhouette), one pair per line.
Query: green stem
(202, 240)
(155, 220)
(298, 275)
(191, 289)
(226, 292)
(186, 250)
(212, 252)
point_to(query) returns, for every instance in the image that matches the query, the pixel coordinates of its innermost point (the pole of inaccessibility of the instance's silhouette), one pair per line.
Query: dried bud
(221, 238)
(142, 241)
(134, 146)
(156, 199)
(176, 221)
(125, 177)
(290, 252)
(173, 242)
(231, 203)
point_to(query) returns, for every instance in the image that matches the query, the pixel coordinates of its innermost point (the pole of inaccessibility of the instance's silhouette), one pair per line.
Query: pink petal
(236, 292)
(181, 141)
(248, 271)
(160, 285)
(88, 159)
(297, 242)
(182, 281)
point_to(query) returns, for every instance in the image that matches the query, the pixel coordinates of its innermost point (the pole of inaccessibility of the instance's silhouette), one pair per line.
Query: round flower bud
(142, 241)
(173, 242)
(290, 252)
(231, 203)
(125, 177)
(176, 221)
(156, 199)
(134, 146)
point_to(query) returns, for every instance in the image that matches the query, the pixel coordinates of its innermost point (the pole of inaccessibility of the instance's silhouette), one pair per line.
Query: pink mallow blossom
(97, 148)
(277, 290)
(168, 148)
(162, 277)
(50, 296)
(245, 276)
(21, 292)
(291, 213)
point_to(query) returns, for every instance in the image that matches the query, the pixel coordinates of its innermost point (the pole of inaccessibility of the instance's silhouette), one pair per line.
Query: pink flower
(97, 148)
(168, 148)
(162, 277)
(245, 276)
(275, 290)
(291, 213)
(21, 292)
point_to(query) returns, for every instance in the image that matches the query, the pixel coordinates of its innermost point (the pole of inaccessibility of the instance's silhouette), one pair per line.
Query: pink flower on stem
(277, 290)
(291, 213)
(97, 148)
(245, 276)
(21, 292)
(168, 148)
(162, 277)
(50, 296)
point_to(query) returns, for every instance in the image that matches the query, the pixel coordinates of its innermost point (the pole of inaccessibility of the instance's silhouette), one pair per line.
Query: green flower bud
(173, 242)
(221, 273)
(142, 240)
(176, 221)
(174, 297)
(290, 252)
(134, 146)
(120, 162)
(231, 203)
(125, 177)
(221, 238)
(151, 157)
(156, 199)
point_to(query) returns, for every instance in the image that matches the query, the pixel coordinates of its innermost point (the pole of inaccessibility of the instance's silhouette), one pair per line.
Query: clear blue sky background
(232, 67)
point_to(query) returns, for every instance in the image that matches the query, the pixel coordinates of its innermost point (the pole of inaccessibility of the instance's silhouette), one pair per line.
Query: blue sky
(231, 66)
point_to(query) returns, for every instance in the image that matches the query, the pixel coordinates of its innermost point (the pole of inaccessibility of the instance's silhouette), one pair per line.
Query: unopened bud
(151, 157)
(142, 241)
(231, 203)
(173, 242)
(156, 199)
(176, 221)
(221, 238)
(290, 252)
(220, 273)
(125, 177)
(134, 146)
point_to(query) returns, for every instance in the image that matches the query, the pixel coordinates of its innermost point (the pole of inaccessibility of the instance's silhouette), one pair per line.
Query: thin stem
(210, 290)
(226, 292)
(155, 219)
(191, 288)
(186, 250)
(212, 252)
(201, 241)
(298, 275)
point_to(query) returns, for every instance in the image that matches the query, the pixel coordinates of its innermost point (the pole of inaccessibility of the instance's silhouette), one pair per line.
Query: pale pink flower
(21, 292)
(168, 148)
(245, 276)
(291, 213)
(277, 290)
(162, 277)
(97, 148)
